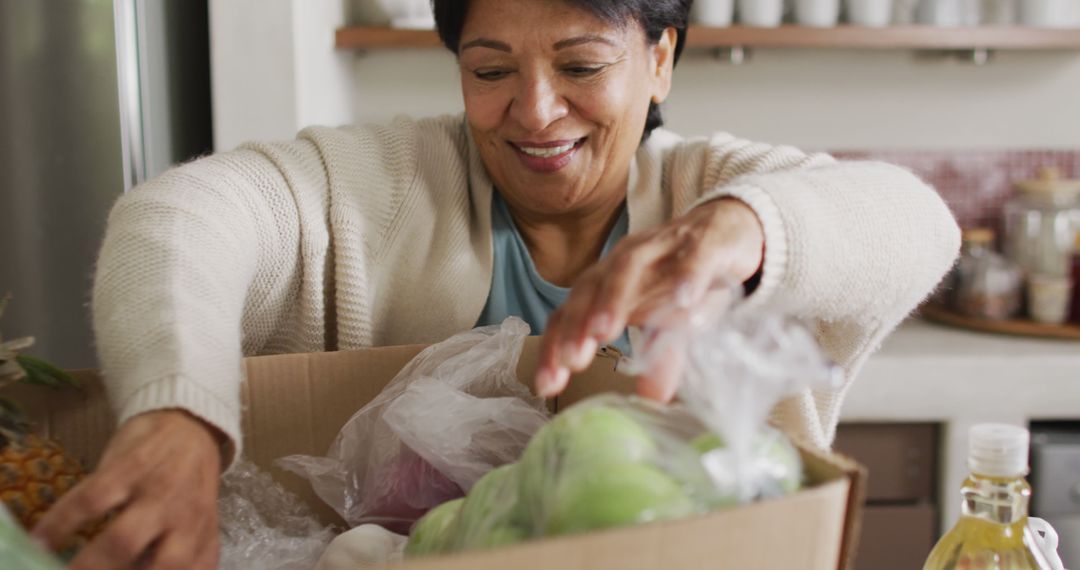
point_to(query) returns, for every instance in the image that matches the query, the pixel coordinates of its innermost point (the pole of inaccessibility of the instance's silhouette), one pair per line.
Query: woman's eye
(583, 71)
(490, 74)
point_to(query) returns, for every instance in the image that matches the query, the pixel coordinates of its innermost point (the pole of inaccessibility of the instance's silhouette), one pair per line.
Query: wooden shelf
(842, 37)
(943, 316)
(360, 37)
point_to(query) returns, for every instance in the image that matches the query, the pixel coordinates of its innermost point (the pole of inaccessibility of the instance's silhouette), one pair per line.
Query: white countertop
(931, 373)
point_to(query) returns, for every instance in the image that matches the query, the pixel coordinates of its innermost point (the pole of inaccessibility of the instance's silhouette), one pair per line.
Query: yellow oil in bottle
(992, 533)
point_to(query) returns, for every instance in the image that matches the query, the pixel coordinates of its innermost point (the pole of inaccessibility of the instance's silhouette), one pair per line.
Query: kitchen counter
(930, 373)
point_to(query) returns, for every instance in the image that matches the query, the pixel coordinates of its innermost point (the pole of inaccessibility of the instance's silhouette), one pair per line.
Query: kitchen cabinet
(900, 522)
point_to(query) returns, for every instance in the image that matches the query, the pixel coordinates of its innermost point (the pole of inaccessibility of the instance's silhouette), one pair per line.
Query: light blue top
(517, 288)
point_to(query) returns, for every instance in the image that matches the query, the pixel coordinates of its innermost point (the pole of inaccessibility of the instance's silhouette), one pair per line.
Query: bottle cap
(998, 450)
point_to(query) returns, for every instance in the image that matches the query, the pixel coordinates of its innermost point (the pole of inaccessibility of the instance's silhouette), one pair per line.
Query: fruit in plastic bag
(501, 536)
(582, 438)
(492, 514)
(432, 534)
(17, 551)
(450, 416)
(776, 464)
(602, 435)
(614, 494)
(409, 484)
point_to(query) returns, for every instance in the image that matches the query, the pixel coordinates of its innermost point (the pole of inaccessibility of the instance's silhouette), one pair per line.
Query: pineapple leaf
(11, 417)
(16, 345)
(44, 374)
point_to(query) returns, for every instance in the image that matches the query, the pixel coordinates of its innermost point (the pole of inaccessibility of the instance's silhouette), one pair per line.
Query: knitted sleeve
(851, 247)
(196, 265)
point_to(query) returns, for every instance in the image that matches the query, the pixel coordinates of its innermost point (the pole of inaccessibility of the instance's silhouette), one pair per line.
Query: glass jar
(987, 285)
(1075, 318)
(1041, 223)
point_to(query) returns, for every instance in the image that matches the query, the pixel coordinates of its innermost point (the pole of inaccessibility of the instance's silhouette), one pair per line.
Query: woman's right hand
(160, 474)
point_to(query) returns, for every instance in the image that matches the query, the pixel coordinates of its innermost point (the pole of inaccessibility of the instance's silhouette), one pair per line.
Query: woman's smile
(557, 100)
(544, 157)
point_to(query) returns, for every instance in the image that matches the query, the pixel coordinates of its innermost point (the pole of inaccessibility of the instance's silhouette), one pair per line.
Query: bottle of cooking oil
(993, 532)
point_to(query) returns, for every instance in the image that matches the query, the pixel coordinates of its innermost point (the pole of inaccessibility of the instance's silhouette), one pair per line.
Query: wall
(826, 99)
(275, 70)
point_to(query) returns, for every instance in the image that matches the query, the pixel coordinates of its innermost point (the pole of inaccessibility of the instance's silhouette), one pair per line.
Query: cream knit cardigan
(381, 235)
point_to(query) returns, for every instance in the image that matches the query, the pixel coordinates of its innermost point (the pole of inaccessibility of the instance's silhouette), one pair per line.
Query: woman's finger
(87, 502)
(124, 540)
(191, 544)
(551, 377)
(627, 273)
(662, 379)
(574, 343)
(209, 551)
(179, 551)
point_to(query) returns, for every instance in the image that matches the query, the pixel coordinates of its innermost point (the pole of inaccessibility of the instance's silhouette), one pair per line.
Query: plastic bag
(452, 414)
(366, 546)
(737, 363)
(264, 526)
(615, 460)
(17, 550)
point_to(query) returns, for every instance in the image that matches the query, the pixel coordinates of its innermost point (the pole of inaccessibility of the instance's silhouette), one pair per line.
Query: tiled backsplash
(976, 184)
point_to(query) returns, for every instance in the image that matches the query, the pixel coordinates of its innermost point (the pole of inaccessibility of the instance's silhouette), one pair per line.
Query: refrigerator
(96, 96)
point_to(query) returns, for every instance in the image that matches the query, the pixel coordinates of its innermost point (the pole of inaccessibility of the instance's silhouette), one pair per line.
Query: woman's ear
(663, 64)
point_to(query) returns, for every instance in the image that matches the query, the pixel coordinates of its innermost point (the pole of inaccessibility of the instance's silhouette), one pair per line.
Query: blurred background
(979, 97)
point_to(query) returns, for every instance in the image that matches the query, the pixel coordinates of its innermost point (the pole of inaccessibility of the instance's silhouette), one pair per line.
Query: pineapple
(34, 471)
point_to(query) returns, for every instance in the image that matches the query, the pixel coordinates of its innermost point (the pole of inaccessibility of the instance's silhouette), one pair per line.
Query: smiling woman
(555, 197)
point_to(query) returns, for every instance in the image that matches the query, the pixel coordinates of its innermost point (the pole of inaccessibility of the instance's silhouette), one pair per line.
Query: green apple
(774, 457)
(432, 533)
(501, 536)
(706, 442)
(614, 494)
(491, 504)
(779, 458)
(18, 551)
(582, 437)
(602, 434)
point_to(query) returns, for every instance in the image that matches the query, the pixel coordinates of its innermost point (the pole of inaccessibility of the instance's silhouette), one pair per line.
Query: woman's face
(556, 99)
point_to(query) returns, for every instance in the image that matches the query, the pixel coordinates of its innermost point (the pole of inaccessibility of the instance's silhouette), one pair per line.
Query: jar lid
(978, 235)
(1050, 182)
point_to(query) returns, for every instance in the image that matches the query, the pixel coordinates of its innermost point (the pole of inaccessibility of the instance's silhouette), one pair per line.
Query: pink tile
(975, 184)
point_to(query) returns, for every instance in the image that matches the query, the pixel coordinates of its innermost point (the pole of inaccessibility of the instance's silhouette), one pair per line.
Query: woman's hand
(674, 264)
(160, 473)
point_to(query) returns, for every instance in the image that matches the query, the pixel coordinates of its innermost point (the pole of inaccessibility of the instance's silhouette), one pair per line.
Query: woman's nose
(538, 104)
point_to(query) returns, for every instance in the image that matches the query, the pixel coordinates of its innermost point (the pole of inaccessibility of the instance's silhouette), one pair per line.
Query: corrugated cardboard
(297, 403)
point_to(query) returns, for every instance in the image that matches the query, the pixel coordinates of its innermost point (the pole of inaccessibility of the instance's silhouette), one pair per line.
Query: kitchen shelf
(841, 37)
(943, 316)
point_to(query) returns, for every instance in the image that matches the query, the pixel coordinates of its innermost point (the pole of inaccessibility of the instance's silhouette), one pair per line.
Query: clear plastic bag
(616, 460)
(17, 550)
(737, 363)
(264, 526)
(452, 414)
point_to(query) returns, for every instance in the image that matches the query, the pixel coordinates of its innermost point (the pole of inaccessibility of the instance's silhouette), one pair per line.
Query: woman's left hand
(674, 264)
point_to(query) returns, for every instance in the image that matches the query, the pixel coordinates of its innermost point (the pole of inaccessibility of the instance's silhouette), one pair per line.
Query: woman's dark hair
(654, 16)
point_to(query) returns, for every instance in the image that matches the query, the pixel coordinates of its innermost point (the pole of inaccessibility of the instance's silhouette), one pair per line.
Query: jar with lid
(1041, 223)
(988, 286)
(1075, 318)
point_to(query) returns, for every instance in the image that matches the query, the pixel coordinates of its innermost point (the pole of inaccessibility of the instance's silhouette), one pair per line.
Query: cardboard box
(297, 403)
